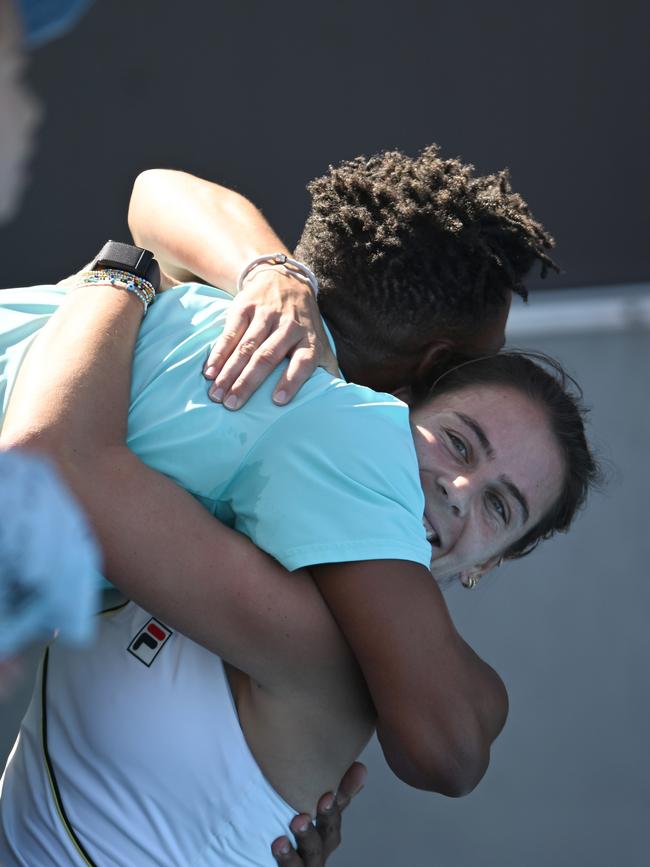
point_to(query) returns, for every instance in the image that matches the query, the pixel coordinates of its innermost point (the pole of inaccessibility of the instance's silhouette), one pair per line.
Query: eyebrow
(478, 430)
(486, 445)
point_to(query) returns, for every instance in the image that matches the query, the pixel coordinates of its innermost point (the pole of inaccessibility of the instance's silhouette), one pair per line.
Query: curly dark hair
(407, 249)
(546, 383)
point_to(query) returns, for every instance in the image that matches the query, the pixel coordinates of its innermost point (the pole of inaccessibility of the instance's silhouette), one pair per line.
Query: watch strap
(128, 257)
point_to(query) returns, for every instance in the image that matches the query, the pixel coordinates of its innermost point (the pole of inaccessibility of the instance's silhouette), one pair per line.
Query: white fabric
(150, 760)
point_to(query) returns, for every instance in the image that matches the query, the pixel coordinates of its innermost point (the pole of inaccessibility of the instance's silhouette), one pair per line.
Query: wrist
(290, 267)
(276, 276)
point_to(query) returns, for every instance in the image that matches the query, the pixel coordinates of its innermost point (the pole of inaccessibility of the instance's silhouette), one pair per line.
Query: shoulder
(334, 478)
(348, 411)
(348, 430)
(184, 301)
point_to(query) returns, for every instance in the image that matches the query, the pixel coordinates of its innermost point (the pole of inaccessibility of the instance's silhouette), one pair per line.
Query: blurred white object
(49, 560)
(19, 113)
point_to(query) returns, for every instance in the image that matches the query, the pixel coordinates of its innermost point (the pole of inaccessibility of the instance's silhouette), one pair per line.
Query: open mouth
(432, 534)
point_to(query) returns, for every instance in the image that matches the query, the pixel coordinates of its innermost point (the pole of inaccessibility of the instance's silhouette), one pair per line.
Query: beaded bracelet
(295, 268)
(137, 285)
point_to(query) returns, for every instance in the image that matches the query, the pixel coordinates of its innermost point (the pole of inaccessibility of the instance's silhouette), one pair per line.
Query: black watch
(127, 257)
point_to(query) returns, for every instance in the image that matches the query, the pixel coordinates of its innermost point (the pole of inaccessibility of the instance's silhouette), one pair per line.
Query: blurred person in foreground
(41, 524)
(19, 112)
(24, 25)
(331, 483)
(41, 529)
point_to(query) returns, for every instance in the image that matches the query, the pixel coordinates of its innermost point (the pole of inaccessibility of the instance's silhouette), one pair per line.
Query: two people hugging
(281, 529)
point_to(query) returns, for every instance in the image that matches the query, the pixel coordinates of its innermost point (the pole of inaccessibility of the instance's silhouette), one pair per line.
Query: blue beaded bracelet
(137, 285)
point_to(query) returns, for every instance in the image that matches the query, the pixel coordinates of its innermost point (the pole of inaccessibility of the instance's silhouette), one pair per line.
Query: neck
(385, 374)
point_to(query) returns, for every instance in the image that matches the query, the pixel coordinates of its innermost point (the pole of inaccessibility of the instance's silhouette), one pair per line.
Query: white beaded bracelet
(297, 269)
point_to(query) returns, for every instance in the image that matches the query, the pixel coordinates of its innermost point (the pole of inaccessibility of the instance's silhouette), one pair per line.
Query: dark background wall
(263, 96)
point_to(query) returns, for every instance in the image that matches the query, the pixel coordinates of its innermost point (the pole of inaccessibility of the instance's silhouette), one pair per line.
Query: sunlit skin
(490, 468)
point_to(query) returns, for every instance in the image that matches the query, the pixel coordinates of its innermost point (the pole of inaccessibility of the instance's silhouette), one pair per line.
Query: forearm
(163, 550)
(197, 228)
(439, 706)
(73, 386)
(446, 747)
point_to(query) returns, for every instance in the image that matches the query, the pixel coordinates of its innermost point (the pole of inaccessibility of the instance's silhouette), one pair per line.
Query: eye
(459, 446)
(498, 505)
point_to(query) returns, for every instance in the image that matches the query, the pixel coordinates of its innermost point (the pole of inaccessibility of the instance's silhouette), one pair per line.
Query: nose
(456, 492)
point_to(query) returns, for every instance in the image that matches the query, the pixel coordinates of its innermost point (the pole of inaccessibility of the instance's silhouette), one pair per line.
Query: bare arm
(161, 547)
(439, 706)
(199, 229)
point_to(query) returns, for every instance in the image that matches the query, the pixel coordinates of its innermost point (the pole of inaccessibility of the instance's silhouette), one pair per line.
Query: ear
(432, 356)
(430, 361)
(492, 563)
(471, 577)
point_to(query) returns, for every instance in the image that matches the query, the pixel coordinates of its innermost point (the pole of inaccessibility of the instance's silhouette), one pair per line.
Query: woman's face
(490, 468)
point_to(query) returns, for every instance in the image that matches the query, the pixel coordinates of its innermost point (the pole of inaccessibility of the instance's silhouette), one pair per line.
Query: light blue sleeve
(23, 312)
(334, 479)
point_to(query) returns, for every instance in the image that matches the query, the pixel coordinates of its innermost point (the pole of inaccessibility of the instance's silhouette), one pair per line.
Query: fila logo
(148, 643)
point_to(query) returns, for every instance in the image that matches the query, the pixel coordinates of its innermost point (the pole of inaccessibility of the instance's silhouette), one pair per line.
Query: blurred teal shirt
(332, 477)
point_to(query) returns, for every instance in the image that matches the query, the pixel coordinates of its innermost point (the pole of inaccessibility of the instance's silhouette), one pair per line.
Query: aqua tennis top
(332, 477)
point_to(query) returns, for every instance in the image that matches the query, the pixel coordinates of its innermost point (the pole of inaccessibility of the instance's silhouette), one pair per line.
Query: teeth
(432, 536)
